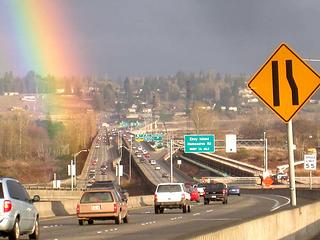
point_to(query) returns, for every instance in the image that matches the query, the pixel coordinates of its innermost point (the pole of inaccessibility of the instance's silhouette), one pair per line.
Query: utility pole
(171, 165)
(265, 152)
(71, 174)
(130, 159)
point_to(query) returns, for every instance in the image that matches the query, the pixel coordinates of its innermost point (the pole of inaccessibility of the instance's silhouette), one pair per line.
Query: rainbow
(43, 38)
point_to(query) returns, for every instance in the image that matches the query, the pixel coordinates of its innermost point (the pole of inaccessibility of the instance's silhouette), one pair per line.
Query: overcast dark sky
(156, 37)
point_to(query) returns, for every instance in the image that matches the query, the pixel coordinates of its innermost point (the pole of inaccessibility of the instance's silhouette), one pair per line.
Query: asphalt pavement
(173, 224)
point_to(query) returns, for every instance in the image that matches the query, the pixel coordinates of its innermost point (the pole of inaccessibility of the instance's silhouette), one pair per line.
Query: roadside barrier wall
(65, 207)
(299, 223)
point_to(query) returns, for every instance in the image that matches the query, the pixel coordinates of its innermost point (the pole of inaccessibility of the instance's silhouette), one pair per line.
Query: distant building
(29, 98)
(11, 94)
(60, 90)
(253, 100)
(147, 110)
(235, 109)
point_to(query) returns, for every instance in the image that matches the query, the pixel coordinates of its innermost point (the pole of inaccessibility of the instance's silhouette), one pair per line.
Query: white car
(170, 196)
(200, 187)
(153, 162)
(157, 168)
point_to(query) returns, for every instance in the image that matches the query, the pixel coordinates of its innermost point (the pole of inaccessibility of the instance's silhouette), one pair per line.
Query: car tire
(184, 208)
(80, 222)
(90, 221)
(156, 209)
(118, 219)
(239, 194)
(126, 219)
(189, 208)
(14, 234)
(36, 231)
(161, 210)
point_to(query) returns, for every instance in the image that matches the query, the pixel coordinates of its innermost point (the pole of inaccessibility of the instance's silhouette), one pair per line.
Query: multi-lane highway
(173, 224)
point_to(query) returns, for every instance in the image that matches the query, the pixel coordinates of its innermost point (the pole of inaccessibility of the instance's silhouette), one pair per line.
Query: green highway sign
(199, 143)
(129, 123)
(148, 137)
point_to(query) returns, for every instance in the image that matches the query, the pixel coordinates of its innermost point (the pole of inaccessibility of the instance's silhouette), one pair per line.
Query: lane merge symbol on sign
(285, 82)
(275, 83)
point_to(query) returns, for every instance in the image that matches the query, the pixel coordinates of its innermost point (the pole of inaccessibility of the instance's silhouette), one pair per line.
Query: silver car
(18, 215)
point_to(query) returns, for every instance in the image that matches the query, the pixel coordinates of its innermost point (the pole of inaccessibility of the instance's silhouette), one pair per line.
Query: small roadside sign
(231, 143)
(310, 162)
(199, 143)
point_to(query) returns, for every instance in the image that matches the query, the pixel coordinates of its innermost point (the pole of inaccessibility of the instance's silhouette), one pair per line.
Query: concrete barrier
(65, 207)
(299, 223)
(52, 195)
(45, 209)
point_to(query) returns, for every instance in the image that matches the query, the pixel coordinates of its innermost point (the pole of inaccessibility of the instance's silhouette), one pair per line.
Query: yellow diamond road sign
(285, 82)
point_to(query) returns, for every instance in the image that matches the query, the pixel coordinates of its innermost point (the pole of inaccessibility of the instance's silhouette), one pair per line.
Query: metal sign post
(291, 165)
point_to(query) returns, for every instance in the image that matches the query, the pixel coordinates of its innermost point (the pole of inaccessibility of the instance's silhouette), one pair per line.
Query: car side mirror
(36, 198)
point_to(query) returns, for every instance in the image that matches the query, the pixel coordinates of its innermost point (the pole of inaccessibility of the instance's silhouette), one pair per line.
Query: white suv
(171, 195)
(18, 215)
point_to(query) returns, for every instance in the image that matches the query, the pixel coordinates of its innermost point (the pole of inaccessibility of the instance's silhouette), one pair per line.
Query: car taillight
(78, 208)
(115, 208)
(7, 206)
(155, 198)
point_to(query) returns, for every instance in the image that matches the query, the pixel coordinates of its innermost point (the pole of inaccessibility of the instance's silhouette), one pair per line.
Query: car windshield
(94, 197)
(215, 186)
(169, 188)
(1, 191)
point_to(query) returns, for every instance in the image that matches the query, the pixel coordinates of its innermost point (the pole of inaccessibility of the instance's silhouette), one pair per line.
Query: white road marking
(277, 203)
(173, 219)
(148, 223)
(148, 212)
(99, 232)
(211, 210)
(288, 202)
(216, 219)
(195, 214)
